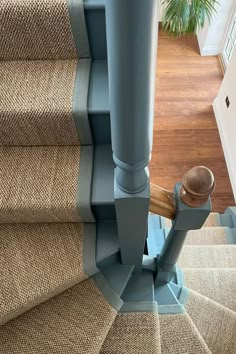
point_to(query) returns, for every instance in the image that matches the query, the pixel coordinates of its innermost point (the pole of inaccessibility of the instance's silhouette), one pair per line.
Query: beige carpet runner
(136, 332)
(38, 261)
(76, 321)
(36, 102)
(179, 335)
(45, 184)
(214, 256)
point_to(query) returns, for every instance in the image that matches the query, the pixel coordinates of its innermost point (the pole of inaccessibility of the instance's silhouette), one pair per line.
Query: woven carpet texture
(133, 333)
(35, 29)
(38, 261)
(39, 184)
(215, 323)
(36, 103)
(77, 321)
(219, 256)
(218, 284)
(179, 335)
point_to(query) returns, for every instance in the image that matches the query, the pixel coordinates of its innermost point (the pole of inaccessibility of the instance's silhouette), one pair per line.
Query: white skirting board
(227, 153)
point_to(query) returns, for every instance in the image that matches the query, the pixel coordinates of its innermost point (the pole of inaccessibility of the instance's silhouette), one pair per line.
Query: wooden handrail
(198, 184)
(162, 202)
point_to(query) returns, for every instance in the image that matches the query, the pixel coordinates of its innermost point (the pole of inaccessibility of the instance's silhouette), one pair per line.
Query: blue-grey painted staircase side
(231, 211)
(96, 27)
(98, 103)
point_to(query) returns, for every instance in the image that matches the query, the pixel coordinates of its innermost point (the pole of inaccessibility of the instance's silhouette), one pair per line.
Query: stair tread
(46, 184)
(213, 256)
(207, 236)
(218, 284)
(23, 37)
(36, 103)
(38, 261)
(179, 335)
(135, 332)
(215, 323)
(76, 321)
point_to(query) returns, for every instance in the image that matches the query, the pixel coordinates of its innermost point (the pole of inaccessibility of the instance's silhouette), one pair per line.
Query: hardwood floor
(185, 130)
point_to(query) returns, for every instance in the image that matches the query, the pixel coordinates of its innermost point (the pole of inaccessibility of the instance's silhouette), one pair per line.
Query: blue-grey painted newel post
(132, 30)
(193, 205)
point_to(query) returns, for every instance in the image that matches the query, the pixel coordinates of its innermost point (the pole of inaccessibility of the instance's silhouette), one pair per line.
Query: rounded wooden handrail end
(198, 184)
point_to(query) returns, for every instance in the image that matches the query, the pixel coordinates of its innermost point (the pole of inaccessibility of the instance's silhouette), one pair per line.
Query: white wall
(226, 118)
(210, 38)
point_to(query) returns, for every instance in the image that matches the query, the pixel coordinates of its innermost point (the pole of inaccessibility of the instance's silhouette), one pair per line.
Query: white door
(229, 40)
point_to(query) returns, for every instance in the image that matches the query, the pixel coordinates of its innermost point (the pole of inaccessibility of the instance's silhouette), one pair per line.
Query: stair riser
(96, 26)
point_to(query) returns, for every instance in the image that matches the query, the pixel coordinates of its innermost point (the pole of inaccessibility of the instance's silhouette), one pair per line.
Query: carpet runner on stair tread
(46, 184)
(41, 29)
(76, 321)
(134, 332)
(219, 256)
(179, 335)
(39, 261)
(44, 103)
(215, 323)
(207, 236)
(218, 284)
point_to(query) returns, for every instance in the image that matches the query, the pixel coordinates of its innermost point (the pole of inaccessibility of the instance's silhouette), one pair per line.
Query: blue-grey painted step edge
(108, 292)
(139, 288)
(107, 243)
(139, 306)
(226, 220)
(156, 236)
(98, 98)
(118, 276)
(102, 194)
(96, 27)
(98, 103)
(175, 308)
(171, 309)
(94, 4)
(231, 235)
(232, 212)
(165, 296)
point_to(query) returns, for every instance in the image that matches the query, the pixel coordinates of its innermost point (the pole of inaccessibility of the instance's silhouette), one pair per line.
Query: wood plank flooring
(185, 130)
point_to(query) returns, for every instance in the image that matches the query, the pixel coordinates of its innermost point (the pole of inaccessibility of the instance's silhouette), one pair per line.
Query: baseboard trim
(225, 148)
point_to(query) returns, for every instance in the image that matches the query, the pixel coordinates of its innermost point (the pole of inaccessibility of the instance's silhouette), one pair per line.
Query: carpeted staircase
(63, 288)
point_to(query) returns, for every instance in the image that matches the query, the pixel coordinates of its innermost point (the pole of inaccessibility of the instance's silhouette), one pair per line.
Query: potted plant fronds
(186, 16)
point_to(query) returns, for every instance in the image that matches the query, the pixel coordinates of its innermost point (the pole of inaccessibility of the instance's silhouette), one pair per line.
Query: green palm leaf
(187, 16)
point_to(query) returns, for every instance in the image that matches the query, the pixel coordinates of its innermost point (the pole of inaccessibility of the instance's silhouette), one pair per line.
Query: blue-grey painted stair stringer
(96, 27)
(172, 297)
(108, 292)
(231, 236)
(98, 103)
(107, 242)
(226, 220)
(139, 288)
(155, 236)
(118, 276)
(102, 196)
(232, 211)
(136, 290)
(139, 306)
